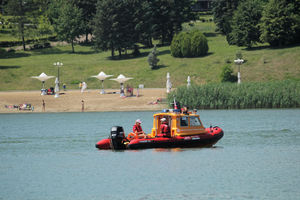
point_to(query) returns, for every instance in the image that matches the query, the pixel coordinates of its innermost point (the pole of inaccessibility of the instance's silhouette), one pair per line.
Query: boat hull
(176, 142)
(212, 136)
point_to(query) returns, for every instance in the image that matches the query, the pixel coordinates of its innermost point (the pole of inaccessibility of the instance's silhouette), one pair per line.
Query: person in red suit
(165, 129)
(137, 129)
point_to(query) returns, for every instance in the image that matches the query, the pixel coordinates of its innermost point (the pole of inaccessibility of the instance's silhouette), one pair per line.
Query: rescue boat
(186, 131)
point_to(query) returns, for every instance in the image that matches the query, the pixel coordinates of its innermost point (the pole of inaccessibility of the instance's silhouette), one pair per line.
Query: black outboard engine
(117, 137)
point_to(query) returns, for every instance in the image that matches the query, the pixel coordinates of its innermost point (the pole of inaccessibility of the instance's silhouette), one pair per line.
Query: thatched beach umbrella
(121, 79)
(102, 76)
(43, 77)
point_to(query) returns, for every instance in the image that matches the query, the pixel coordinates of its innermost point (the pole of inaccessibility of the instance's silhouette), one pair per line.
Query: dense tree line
(246, 22)
(115, 25)
(119, 25)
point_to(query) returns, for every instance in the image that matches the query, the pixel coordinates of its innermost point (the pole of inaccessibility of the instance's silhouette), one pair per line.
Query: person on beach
(137, 129)
(44, 106)
(84, 86)
(82, 106)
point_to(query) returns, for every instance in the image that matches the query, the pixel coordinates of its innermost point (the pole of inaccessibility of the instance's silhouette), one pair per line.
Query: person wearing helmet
(137, 129)
(164, 127)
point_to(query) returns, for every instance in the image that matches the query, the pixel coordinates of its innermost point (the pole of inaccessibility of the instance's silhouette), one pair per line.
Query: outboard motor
(117, 136)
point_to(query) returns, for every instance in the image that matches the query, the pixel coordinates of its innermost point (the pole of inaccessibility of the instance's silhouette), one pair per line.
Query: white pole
(188, 81)
(168, 84)
(239, 62)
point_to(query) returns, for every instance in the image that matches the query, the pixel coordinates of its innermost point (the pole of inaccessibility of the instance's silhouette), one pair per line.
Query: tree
(115, 25)
(118, 25)
(69, 23)
(2, 5)
(23, 12)
(152, 58)
(44, 26)
(167, 17)
(245, 23)
(223, 11)
(143, 21)
(281, 22)
(88, 8)
(103, 28)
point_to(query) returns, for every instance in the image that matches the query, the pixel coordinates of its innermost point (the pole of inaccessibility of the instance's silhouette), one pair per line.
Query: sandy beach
(71, 101)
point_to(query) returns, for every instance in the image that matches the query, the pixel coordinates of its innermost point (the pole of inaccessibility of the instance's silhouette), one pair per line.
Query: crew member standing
(165, 129)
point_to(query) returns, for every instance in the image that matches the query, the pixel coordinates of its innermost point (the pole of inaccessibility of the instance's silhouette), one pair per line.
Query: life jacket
(165, 131)
(137, 128)
(165, 128)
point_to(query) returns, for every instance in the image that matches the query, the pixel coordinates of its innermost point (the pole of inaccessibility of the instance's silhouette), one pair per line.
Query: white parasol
(102, 76)
(121, 79)
(43, 77)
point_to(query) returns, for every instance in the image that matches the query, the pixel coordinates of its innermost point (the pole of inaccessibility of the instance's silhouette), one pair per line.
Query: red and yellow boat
(186, 130)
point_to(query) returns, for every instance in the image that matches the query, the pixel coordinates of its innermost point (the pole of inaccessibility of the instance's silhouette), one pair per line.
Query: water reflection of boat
(186, 130)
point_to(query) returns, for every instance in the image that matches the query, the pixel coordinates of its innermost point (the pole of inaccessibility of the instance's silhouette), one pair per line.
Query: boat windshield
(194, 121)
(184, 121)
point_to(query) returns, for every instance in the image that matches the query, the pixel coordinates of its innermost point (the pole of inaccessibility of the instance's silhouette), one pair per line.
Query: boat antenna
(175, 105)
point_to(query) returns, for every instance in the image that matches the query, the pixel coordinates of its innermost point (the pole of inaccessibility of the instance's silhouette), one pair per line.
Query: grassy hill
(262, 64)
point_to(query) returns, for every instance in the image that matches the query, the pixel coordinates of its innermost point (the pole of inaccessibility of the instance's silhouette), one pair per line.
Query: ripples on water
(53, 156)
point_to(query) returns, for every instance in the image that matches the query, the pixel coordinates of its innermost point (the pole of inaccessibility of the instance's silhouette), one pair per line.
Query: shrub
(185, 45)
(189, 44)
(199, 46)
(47, 45)
(2, 51)
(239, 55)
(11, 50)
(152, 58)
(175, 45)
(75, 82)
(227, 74)
(40, 46)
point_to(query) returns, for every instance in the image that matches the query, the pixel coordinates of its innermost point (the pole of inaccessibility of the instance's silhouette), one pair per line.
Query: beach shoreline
(89, 101)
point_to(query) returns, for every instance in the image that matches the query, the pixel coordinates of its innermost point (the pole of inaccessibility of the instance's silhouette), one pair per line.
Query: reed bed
(277, 94)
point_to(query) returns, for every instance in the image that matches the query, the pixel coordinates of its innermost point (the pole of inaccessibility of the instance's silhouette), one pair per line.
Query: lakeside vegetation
(273, 94)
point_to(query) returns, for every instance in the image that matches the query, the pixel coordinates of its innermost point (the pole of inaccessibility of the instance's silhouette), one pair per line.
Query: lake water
(53, 157)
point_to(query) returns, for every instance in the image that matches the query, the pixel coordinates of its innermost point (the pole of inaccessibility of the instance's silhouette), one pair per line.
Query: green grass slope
(262, 64)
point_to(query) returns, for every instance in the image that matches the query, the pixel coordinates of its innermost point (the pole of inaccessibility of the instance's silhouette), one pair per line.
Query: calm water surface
(53, 157)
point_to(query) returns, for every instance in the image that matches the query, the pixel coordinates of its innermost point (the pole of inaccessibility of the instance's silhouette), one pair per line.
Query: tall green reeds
(277, 94)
